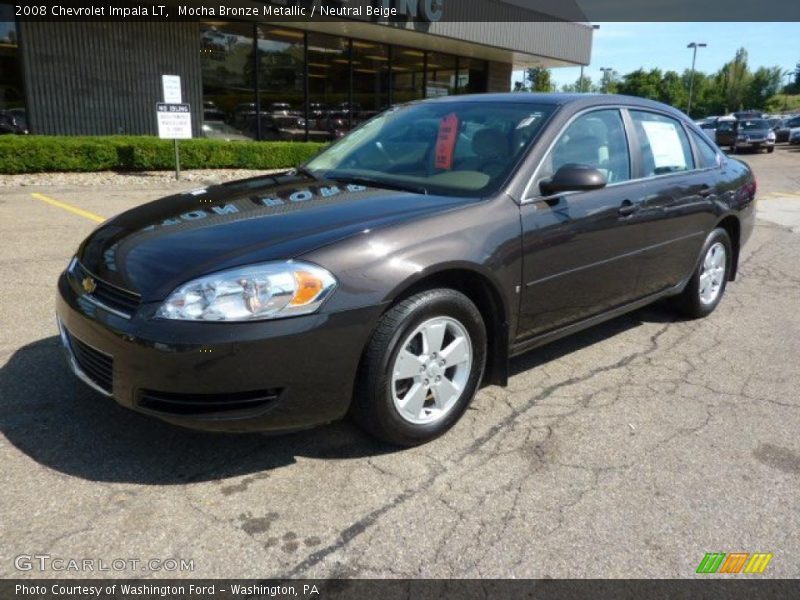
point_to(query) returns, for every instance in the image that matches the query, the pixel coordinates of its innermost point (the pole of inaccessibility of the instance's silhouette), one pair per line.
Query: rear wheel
(421, 368)
(707, 285)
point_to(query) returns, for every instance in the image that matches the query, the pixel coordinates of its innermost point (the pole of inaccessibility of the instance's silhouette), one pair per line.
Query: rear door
(581, 249)
(680, 192)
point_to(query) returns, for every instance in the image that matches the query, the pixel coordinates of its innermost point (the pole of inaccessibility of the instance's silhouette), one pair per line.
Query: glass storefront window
(270, 82)
(281, 83)
(408, 74)
(228, 64)
(370, 79)
(328, 86)
(13, 117)
(471, 76)
(441, 75)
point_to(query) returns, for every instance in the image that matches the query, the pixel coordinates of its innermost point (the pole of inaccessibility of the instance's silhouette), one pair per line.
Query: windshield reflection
(453, 148)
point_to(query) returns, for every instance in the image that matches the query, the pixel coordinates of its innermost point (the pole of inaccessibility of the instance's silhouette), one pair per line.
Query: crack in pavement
(364, 523)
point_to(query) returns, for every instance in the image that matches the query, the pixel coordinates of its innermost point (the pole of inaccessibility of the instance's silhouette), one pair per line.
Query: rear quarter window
(706, 154)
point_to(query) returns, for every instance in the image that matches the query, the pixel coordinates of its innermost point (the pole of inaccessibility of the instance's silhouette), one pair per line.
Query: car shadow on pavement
(61, 424)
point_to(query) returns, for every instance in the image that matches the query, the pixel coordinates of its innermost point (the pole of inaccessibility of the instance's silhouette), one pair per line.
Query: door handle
(627, 208)
(705, 191)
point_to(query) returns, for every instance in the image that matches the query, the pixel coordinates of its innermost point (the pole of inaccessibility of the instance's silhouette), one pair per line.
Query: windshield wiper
(379, 183)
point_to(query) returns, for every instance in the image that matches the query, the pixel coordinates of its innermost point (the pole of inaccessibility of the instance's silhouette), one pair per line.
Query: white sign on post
(172, 89)
(174, 121)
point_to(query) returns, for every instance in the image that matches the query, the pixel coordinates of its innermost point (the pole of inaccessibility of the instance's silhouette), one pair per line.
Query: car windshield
(448, 148)
(753, 125)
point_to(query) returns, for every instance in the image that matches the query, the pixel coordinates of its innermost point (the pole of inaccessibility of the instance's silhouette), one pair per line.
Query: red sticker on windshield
(446, 142)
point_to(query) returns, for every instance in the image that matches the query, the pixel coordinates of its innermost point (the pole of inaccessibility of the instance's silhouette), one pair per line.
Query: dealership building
(269, 78)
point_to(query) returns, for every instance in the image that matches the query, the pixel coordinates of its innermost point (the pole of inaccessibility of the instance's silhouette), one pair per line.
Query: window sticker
(446, 141)
(665, 145)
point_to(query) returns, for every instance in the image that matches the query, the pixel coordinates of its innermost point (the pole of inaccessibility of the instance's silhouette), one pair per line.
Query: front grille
(109, 295)
(206, 404)
(97, 366)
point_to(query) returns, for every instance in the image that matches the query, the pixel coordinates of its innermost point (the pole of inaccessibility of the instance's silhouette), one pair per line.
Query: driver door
(582, 250)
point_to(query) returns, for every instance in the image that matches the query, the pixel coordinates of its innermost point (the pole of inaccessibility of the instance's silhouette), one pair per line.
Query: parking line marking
(68, 207)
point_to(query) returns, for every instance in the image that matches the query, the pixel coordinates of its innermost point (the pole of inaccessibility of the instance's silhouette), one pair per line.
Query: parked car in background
(12, 122)
(781, 129)
(400, 269)
(725, 131)
(748, 114)
(793, 124)
(746, 134)
(219, 130)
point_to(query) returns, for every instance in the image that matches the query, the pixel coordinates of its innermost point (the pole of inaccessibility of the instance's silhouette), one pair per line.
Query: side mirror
(573, 178)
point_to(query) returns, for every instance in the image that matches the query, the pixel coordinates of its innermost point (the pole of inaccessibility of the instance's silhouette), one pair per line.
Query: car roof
(574, 100)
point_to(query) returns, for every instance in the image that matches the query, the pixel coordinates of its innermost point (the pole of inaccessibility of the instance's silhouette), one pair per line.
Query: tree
(641, 83)
(736, 77)
(536, 79)
(797, 76)
(764, 83)
(540, 79)
(581, 85)
(672, 91)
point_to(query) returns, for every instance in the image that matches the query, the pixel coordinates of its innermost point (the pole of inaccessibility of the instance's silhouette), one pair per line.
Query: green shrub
(36, 154)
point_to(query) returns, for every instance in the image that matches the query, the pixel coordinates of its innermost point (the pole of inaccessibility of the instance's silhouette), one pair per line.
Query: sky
(627, 46)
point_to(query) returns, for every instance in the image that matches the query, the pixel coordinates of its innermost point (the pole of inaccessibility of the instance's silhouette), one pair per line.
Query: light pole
(694, 46)
(606, 76)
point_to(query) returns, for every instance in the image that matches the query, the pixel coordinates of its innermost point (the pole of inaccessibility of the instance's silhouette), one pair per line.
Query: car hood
(153, 248)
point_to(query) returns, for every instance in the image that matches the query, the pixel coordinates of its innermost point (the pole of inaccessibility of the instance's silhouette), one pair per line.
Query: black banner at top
(416, 11)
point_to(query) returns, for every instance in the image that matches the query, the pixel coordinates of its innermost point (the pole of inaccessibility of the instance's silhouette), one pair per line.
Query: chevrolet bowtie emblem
(88, 285)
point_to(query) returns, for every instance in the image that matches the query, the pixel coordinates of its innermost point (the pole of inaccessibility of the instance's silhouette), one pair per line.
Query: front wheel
(771, 150)
(707, 285)
(421, 368)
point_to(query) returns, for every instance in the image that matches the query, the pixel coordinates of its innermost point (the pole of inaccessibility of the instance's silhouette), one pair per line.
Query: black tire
(373, 407)
(688, 303)
(770, 150)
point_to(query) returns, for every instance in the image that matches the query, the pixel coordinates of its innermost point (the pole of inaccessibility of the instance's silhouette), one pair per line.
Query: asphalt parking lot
(629, 450)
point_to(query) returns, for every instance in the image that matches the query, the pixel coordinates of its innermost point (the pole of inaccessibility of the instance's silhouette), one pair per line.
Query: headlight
(771, 135)
(255, 293)
(742, 137)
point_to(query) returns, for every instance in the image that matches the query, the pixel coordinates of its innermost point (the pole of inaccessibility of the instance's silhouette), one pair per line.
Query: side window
(706, 154)
(596, 139)
(665, 147)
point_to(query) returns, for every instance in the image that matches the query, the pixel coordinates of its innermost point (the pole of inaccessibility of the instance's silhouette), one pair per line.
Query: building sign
(174, 121)
(172, 89)
(424, 10)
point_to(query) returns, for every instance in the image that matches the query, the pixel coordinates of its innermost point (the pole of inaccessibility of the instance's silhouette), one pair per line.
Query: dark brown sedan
(400, 269)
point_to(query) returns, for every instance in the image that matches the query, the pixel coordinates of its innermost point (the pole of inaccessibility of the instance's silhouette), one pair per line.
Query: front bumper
(754, 144)
(280, 375)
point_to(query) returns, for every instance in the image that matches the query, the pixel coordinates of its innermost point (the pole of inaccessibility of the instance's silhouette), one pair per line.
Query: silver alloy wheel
(431, 370)
(712, 275)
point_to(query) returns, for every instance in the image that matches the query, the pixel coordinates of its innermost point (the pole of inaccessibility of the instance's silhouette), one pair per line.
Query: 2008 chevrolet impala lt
(397, 271)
